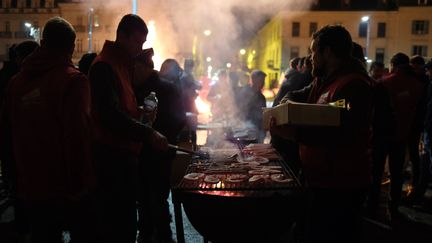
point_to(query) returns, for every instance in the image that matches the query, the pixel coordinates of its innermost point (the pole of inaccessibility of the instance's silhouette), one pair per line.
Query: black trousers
(116, 194)
(334, 215)
(153, 192)
(396, 152)
(46, 220)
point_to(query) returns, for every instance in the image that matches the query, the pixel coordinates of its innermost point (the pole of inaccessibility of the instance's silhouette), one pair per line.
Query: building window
(7, 26)
(42, 3)
(420, 27)
(419, 50)
(14, 3)
(379, 55)
(422, 2)
(381, 33)
(313, 27)
(28, 3)
(295, 52)
(296, 29)
(363, 29)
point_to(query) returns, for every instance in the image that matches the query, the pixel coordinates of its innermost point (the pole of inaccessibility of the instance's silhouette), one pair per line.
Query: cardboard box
(302, 114)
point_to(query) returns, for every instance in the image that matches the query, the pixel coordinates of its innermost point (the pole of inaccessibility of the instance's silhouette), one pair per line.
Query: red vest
(122, 66)
(336, 165)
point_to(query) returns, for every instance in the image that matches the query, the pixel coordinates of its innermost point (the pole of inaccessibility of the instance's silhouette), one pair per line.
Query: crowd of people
(80, 152)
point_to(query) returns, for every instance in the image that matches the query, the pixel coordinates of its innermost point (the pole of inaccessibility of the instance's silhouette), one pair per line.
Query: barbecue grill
(236, 212)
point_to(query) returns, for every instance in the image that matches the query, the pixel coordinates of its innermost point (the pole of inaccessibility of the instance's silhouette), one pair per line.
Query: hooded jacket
(48, 112)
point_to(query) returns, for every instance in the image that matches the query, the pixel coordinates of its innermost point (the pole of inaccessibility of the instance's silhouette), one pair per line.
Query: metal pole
(368, 39)
(134, 6)
(90, 30)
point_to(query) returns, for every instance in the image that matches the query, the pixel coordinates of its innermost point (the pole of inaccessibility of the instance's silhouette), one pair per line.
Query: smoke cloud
(181, 22)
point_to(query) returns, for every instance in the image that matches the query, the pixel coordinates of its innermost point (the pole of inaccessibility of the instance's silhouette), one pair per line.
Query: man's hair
(85, 62)
(375, 65)
(294, 62)
(257, 74)
(58, 34)
(417, 60)
(12, 52)
(335, 37)
(25, 48)
(130, 24)
(399, 59)
(357, 52)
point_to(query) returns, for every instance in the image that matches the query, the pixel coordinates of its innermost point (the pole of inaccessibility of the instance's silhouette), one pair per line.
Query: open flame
(202, 106)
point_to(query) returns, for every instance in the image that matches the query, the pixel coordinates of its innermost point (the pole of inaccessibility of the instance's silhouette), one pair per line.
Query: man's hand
(284, 100)
(159, 141)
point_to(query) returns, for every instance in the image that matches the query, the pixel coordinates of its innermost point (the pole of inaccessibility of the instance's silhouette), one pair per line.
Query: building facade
(387, 30)
(94, 22)
(14, 14)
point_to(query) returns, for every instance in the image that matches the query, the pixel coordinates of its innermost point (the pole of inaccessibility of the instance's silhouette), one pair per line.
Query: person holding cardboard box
(335, 159)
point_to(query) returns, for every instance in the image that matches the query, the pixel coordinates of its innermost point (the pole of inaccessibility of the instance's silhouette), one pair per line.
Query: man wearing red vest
(335, 160)
(47, 116)
(117, 132)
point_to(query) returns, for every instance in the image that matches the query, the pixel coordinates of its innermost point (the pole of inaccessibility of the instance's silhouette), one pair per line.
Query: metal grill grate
(224, 169)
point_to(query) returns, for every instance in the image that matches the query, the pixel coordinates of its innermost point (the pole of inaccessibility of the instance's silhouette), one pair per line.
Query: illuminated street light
(366, 19)
(209, 59)
(207, 32)
(228, 65)
(34, 31)
(242, 51)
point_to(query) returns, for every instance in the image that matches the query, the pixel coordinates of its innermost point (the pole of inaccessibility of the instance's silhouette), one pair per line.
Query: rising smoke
(179, 22)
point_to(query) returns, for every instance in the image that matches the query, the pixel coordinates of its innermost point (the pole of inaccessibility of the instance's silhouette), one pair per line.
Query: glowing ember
(202, 106)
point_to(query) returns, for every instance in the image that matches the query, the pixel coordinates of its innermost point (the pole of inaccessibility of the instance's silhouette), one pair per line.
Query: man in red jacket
(117, 132)
(335, 160)
(405, 91)
(47, 113)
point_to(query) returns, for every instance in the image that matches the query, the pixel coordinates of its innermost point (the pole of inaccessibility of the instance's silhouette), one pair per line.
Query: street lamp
(242, 52)
(207, 32)
(34, 31)
(366, 19)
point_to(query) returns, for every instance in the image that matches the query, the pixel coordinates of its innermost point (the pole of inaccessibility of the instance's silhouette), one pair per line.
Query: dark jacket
(338, 157)
(171, 116)
(48, 114)
(6, 73)
(294, 81)
(115, 112)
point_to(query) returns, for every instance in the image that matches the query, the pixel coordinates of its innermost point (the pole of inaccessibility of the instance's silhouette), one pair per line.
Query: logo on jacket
(32, 98)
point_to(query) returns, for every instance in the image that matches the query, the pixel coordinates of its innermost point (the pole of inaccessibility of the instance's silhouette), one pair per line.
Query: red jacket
(122, 67)
(48, 111)
(338, 157)
(405, 91)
